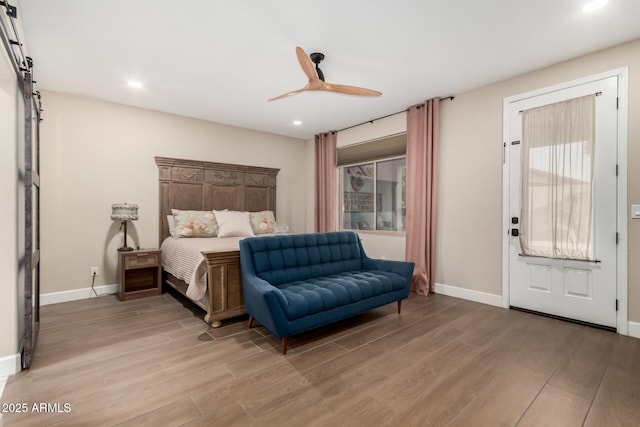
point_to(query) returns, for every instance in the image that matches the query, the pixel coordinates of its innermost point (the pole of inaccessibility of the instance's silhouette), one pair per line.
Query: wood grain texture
(554, 407)
(442, 362)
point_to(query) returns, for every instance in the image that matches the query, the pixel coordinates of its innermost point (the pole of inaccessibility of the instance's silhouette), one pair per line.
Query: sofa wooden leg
(399, 306)
(250, 321)
(285, 341)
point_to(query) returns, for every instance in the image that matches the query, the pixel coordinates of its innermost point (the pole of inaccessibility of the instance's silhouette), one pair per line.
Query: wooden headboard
(204, 186)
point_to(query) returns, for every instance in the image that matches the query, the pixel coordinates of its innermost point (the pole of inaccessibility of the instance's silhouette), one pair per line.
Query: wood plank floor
(443, 361)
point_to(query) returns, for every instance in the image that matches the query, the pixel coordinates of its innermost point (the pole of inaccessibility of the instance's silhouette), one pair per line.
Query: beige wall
(97, 153)
(469, 235)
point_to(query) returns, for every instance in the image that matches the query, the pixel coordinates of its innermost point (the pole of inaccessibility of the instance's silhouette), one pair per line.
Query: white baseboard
(77, 294)
(634, 329)
(9, 365)
(468, 294)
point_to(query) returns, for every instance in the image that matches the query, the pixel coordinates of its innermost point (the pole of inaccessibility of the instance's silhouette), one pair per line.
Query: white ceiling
(221, 60)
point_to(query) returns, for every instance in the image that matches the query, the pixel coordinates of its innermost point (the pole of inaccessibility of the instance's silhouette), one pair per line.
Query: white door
(579, 290)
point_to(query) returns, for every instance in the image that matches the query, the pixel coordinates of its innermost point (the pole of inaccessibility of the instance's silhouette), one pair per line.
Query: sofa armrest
(258, 288)
(403, 268)
(264, 302)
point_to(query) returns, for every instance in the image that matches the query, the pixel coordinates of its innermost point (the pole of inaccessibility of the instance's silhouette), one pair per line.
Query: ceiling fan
(316, 78)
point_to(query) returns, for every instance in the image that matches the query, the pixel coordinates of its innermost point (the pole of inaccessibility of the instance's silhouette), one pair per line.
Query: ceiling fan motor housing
(317, 58)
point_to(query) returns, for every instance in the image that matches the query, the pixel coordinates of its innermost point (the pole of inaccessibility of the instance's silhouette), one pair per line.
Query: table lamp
(124, 212)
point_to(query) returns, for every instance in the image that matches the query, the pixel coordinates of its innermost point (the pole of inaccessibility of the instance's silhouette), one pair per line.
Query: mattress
(183, 259)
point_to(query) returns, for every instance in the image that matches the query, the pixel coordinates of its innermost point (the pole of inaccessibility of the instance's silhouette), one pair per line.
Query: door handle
(515, 232)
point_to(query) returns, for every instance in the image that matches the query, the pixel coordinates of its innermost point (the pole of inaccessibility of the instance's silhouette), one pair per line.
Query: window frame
(340, 172)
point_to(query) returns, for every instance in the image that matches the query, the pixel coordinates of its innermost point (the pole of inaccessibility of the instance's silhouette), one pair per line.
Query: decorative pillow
(263, 222)
(194, 223)
(172, 225)
(233, 224)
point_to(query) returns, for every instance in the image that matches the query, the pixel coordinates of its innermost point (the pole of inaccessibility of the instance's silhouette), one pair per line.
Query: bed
(205, 186)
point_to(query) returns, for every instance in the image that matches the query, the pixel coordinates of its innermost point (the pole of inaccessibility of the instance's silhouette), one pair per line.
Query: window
(373, 195)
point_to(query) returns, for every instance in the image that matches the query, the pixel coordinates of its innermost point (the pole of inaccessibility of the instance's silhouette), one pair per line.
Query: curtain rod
(388, 115)
(522, 111)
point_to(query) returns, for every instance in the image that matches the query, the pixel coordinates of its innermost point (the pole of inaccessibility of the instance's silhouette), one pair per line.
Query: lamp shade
(124, 212)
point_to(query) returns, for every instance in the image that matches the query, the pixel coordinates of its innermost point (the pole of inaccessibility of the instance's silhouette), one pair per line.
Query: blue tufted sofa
(293, 283)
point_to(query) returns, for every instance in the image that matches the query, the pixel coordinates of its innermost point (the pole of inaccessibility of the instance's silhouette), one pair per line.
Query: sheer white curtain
(557, 174)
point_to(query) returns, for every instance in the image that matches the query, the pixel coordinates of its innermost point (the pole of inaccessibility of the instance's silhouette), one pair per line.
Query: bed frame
(198, 185)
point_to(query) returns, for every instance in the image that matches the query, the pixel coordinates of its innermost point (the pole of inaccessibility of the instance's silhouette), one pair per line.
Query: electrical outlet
(95, 271)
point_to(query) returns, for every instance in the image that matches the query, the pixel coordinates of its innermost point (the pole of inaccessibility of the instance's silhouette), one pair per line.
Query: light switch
(635, 211)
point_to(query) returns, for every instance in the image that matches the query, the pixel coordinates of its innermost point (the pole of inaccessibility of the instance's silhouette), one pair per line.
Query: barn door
(31, 219)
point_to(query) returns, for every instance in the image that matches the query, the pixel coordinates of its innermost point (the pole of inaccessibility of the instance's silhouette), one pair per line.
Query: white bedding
(183, 258)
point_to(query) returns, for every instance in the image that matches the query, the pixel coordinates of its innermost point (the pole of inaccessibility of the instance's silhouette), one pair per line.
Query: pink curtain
(325, 182)
(423, 130)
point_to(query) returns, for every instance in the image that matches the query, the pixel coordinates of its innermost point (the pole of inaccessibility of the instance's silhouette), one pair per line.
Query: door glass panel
(557, 179)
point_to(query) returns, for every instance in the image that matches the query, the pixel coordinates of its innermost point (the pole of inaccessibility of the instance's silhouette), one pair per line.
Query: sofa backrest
(288, 258)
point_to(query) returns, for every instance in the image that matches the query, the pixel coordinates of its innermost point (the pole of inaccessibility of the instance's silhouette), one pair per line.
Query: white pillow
(233, 224)
(172, 225)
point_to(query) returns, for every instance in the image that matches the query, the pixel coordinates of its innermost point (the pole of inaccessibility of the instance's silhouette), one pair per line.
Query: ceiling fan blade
(306, 64)
(350, 90)
(288, 94)
(316, 84)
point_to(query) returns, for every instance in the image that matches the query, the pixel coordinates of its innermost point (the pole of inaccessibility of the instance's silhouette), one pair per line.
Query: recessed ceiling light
(594, 5)
(135, 85)
(297, 123)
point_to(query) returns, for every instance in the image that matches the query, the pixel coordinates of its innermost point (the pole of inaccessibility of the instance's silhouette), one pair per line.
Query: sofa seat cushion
(303, 298)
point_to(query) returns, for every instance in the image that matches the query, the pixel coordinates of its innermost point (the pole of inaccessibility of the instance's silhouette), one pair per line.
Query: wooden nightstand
(139, 273)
